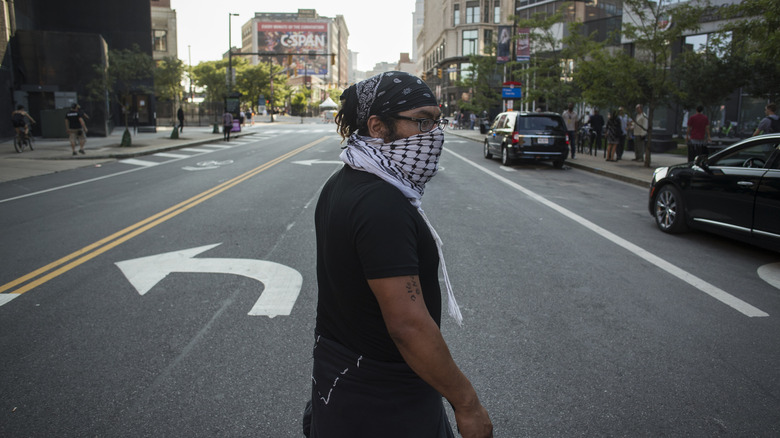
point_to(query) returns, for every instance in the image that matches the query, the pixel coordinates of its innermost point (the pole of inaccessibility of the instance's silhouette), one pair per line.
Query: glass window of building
(456, 14)
(465, 71)
(470, 39)
(472, 12)
(488, 41)
(160, 40)
(496, 11)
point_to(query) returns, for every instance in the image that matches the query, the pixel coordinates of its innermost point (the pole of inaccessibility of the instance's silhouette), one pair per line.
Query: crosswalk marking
(169, 155)
(136, 162)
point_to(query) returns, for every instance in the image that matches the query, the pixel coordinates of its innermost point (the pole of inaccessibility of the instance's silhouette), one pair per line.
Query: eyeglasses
(425, 125)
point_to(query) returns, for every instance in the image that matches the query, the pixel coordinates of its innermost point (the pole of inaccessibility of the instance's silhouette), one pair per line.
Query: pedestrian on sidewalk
(613, 135)
(379, 301)
(770, 123)
(640, 134)
(597, 123)
(227, 125)
(76, 128)
(180, 116)
(570, 118)
(623, 133)
(697, 134)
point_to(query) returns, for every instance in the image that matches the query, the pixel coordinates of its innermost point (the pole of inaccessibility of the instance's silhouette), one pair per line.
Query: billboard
(299, 39)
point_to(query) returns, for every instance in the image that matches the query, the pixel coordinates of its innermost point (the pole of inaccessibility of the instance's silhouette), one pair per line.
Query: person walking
(381, 365)
(180, 116)
(597, 123)
(227, 125)
(640, 134)
(76, 129)
(697, 134)
(770, 123)
(613, 135)
(623, 133)
(570, 119)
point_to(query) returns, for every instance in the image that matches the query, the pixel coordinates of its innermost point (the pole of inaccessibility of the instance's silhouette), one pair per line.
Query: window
(486, 14)
(465, 70)
(160, 40)
(488, 41)
(496, 11)
(470, 42)
(756, 155)
(472, 12)
(456, 15)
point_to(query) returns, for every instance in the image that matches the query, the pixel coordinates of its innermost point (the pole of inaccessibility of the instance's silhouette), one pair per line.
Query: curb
(131, 154)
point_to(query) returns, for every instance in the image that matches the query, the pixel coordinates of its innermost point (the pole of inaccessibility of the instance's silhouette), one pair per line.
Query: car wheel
(669, 210)
(486, 151)
(505, 160)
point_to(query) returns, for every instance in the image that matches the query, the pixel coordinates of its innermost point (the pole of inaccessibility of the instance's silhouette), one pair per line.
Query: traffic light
(438, 72)
(332, 59)
(424, 76)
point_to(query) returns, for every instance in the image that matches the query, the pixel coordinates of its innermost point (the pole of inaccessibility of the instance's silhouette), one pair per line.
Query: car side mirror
(701, 161)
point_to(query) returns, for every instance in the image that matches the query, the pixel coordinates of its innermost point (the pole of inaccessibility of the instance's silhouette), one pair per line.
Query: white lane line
(709, 289)
(198, 150)
(136, 162)
(169, 155)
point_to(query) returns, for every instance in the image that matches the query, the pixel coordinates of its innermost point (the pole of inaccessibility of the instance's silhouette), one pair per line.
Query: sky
(379, 32)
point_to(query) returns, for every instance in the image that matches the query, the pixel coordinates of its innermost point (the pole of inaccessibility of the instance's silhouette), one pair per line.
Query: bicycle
(585, 139)
(21, 140)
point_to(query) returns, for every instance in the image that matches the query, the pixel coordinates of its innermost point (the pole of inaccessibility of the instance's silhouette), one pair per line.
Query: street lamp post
(230, 52)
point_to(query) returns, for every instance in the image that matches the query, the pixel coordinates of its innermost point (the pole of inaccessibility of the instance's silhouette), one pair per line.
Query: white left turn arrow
(282, 283)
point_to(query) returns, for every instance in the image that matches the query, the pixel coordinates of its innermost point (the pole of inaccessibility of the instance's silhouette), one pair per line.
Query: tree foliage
(168, 74)
(547, 77)
(756, 42)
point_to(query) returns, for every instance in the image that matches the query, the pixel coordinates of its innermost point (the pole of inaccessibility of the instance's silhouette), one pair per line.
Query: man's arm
(422, 346)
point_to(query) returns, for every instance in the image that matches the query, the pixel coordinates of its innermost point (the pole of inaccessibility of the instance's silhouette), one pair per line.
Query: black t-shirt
(73, 117)
(367, 229)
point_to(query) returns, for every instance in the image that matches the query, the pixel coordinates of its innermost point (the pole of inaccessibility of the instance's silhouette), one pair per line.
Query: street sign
(512, 92)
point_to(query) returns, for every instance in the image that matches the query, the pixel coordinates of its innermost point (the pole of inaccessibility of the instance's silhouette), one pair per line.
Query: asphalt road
(581, 318)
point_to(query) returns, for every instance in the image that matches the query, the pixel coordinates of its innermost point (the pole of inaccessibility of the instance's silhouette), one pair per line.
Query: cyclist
(18, 119)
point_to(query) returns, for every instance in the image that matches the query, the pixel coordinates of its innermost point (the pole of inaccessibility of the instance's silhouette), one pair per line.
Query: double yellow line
(59, 267)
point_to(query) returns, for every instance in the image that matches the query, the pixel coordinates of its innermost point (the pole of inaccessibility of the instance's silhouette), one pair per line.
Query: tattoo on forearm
(412, 288)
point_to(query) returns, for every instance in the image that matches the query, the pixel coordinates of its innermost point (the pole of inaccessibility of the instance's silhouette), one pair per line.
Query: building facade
(164, 40)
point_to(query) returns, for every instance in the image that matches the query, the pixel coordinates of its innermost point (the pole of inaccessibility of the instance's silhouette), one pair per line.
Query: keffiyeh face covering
(408, 164)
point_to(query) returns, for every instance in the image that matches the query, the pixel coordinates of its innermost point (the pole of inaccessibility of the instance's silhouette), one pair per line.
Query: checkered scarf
(408, 164)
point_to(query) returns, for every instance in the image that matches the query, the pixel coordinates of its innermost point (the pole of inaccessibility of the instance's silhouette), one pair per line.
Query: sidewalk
(633, 172)
(53, 155)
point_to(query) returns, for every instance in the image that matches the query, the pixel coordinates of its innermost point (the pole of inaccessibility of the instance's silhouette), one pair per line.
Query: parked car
(735, 193)
(516, 135)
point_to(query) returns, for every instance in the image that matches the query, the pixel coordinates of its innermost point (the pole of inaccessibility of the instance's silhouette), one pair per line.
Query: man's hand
(474, 422)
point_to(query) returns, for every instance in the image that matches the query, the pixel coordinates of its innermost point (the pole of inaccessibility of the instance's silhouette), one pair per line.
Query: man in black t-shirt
(76, 128)
(381, 365)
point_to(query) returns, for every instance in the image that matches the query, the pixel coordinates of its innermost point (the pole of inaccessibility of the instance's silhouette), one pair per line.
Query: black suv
(527, 136)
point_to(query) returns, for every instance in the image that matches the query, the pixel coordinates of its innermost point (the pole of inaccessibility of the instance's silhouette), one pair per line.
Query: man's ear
(376, 128)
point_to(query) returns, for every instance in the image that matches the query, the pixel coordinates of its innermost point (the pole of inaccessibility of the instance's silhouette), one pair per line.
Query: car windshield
(547, 124)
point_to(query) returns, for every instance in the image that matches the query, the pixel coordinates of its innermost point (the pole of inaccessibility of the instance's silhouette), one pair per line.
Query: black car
(527, 136)
(735, 193)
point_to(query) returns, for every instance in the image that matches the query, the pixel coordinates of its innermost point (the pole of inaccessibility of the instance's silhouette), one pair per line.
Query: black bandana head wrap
(389, 93)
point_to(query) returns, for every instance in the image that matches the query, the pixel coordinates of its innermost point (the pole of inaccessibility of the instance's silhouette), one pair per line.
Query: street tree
(644, 77)
(253, 81)
(168, 74)
(708, 77)
(547, 75)
(128, 71)
(483, 80)
(756, 39)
